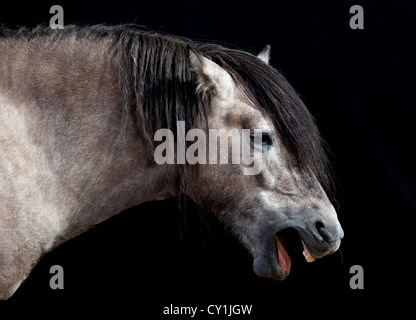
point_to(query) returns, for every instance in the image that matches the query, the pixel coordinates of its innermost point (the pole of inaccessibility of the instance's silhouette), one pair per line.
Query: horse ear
(211, 76)
(264, 54)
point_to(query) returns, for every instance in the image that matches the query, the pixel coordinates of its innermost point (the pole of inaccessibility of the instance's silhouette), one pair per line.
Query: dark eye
(266, 139)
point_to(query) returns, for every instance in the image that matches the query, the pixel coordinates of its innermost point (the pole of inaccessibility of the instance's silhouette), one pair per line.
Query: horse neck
(75, 157)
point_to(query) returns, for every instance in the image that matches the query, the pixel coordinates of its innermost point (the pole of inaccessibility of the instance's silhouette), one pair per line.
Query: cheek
(275, 175)
(272, 169)
(221, 184)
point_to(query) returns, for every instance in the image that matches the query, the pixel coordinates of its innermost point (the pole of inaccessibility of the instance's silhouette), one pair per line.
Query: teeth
(308, 257)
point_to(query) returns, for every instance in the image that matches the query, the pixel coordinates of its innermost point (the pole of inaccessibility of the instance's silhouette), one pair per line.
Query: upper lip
(316, 244)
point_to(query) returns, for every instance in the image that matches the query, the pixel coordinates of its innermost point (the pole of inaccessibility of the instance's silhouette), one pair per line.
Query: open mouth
(274, 258)
(289, 238)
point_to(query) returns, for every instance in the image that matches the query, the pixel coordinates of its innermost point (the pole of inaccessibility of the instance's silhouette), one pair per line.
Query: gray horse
(79, 109)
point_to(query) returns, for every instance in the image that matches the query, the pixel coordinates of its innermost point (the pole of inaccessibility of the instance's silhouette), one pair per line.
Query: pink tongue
(284, 259)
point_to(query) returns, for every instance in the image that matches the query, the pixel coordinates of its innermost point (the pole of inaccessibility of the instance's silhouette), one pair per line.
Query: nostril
(326, 236)
(319, 225)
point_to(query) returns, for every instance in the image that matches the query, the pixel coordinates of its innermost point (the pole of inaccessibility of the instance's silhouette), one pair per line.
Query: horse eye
(266, 139)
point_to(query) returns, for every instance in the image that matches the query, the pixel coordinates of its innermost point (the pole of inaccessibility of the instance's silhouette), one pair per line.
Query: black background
(360, 86)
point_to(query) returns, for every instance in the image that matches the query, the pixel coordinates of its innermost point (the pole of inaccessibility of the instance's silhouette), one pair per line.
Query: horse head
(286, 192)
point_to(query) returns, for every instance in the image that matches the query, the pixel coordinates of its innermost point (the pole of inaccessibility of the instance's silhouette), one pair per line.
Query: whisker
(342, 257)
